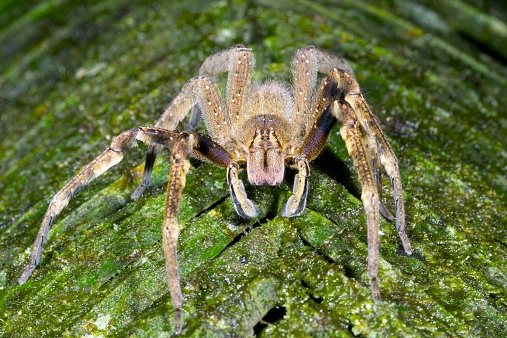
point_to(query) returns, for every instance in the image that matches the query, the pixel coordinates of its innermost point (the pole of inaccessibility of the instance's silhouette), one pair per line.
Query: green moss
(79, 73)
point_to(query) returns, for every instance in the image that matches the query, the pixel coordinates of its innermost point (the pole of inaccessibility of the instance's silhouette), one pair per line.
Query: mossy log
(75, 74)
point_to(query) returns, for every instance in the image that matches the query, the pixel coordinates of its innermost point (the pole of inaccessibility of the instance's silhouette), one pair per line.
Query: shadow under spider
(333, 167)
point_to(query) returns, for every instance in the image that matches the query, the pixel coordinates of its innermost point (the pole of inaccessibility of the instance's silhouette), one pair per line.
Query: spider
(262, 128)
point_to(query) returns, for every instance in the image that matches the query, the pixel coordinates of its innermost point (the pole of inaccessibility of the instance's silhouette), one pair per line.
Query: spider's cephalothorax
(263, 128)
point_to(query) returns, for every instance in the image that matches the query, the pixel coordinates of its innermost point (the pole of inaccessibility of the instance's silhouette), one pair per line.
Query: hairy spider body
(263, 129)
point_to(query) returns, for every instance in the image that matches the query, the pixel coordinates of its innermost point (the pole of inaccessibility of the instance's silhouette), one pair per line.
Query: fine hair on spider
(262, 128)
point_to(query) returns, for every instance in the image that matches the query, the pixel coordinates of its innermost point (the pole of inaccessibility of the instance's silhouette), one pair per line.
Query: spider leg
(183, 144)
(239, 62)
(387, 157)
(340, 84)
(148, 171)
(312, 146)
(170, 227)
(329, 106)
(372, 150)
(198, 91)
(103, 162)
(204, 148)
(355, 146)
(307, 63)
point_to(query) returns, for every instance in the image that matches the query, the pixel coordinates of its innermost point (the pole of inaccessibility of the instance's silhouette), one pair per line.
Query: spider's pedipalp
(244, 207)
(297, 202)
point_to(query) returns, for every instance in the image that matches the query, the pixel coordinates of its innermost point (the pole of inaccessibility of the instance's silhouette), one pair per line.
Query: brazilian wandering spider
(262, 128)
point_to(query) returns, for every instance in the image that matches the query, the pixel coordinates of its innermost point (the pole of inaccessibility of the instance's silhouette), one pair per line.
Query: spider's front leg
(385, 154)
(329, 107)
(103, 162)
(370, 197)
(170, 227)
(183, 144)
(202, 147)
(359, 127)
(312, 146)
(199, 93)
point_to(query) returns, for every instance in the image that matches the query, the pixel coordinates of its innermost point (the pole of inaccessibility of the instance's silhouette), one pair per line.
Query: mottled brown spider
(263, 128)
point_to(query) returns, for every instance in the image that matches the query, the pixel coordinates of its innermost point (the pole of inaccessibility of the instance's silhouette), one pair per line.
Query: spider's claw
(177, 321)
(385, 212)
(375, 290)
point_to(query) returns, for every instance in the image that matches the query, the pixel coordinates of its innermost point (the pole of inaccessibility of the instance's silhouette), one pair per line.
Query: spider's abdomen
(265, 164)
